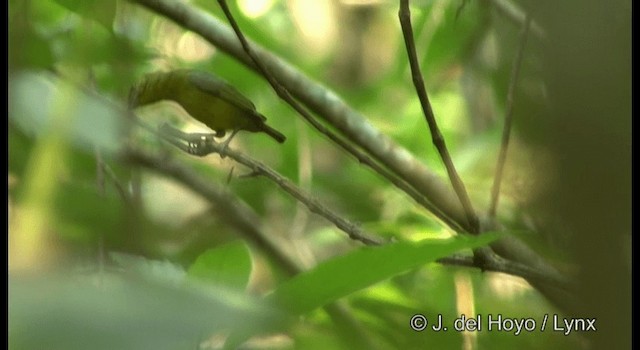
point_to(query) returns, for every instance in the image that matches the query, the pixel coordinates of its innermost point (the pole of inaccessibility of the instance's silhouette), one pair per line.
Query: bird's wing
(218, 87)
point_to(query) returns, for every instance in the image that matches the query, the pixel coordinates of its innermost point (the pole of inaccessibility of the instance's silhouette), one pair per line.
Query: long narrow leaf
(344, 275)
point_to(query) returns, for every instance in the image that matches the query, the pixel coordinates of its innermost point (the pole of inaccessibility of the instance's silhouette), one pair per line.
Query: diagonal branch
(286, 96)
(513, 268)
(206, 145)
(506, 131)
(234, 211)
(405, 21)
(360, 156)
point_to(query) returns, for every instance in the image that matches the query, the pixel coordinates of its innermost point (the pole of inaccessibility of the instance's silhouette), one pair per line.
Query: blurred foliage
(227, 265)
(136, 261)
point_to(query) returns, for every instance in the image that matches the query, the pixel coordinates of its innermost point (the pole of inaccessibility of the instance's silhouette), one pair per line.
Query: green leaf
(112, 310)
(344, 275)
(227, 265)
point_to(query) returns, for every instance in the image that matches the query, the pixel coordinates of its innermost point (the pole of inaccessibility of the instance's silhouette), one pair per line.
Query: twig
(207, 145)
(359, 155)
(117, 184)
(405, 21)
(506, 131)
(498, 264)
(286, 96)
(235, 212)
(103, 168)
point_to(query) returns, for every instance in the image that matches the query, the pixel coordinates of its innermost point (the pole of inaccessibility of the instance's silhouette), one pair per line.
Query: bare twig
(405, 21)
(286, 96)
(498, 264)
(234, 211)
(282, 92)
(506, 131)
(103, 168)
(206, 144)
(117, 184)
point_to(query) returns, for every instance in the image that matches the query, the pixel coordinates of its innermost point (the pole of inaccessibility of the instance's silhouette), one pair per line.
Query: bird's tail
(273, 133)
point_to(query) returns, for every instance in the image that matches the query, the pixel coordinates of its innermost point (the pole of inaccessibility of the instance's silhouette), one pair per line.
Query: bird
(206, 98)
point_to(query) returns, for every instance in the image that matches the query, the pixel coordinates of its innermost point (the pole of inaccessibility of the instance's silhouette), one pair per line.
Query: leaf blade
(344, 275)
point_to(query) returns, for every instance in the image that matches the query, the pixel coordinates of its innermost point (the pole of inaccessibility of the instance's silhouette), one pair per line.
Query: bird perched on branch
(206, 98)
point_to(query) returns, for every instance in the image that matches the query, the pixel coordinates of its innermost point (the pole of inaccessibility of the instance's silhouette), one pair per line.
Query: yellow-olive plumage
(206, 98)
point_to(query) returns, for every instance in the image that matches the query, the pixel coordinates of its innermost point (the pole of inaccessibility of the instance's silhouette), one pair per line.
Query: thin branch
(206, 144)
(282, 92)
(116, 183)
(498, 264)
(103, 168)
(234, 211)
(405, 21)
(506, 131)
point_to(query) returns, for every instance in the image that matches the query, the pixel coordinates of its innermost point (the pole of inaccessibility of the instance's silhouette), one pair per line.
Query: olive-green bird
(206, 98)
